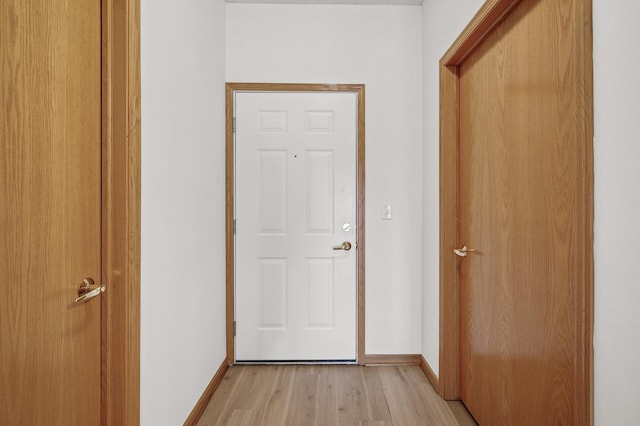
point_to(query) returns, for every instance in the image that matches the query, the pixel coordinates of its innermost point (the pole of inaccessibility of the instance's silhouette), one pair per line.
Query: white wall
(442, 23)
(617, 201)
(617, 196)
(183, 270)
(379, 46)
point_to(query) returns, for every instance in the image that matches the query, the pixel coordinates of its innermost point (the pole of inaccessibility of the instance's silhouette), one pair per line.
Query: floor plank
(277, 404)
(302, 406)
(330, 395)
(327, 403)
(374, 394)
(352, 406)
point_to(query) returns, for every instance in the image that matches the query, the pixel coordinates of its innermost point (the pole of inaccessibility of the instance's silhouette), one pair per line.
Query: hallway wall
(183, 240)
(616, 59)
(442, 23)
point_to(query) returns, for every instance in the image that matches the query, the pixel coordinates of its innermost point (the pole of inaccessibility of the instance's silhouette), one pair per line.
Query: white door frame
(231, 88)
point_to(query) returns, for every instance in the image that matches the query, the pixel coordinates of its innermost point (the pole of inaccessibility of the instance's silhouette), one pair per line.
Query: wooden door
(295, 207)
(50, 224)
(522, 208)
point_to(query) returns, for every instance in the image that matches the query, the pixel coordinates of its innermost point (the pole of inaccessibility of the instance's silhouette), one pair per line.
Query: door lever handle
(462, 252)
(88, 289)
(346, 246)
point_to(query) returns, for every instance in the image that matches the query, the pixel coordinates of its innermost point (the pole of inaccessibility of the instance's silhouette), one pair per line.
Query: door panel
(295, 192)
(50, 164)
(519, 198)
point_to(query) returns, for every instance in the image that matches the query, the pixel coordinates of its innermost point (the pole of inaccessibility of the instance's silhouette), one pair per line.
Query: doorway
(331, 301)
(517, 214)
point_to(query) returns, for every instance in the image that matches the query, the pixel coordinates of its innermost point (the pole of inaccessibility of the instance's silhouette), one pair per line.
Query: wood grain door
(50, 223)
(520, 208)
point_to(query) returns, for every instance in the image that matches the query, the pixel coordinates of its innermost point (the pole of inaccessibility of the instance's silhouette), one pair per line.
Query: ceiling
(374, 2)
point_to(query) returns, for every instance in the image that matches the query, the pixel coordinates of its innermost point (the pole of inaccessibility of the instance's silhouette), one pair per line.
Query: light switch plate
(386, 212)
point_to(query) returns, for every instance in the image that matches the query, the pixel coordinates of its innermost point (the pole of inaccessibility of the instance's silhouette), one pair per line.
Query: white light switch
(386, 212)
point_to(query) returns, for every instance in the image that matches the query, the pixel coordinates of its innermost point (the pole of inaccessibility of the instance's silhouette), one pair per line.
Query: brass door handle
(346, 246)
(462, 252)
(88, 289)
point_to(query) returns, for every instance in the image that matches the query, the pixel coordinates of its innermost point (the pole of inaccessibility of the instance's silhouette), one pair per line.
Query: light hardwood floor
(320, 395)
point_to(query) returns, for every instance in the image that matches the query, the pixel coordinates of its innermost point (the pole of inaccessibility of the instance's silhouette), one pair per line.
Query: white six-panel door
(295, 198)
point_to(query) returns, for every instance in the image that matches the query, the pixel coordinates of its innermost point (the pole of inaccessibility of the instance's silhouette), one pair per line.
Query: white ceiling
(379, 2)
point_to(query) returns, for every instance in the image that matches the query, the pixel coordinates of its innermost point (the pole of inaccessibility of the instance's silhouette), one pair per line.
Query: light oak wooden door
(50, 223)
(520, 208)
(295, 226)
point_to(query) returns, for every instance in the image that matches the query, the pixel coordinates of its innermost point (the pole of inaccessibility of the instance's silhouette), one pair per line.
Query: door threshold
(298, 362)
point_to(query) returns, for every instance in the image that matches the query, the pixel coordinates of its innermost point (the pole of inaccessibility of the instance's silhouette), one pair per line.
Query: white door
(295, 203)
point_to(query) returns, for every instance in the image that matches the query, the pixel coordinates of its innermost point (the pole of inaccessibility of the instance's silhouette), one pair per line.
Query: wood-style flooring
(320, 395)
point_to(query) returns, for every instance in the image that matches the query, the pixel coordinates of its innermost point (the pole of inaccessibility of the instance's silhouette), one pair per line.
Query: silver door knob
(462, 252)
(346, 246)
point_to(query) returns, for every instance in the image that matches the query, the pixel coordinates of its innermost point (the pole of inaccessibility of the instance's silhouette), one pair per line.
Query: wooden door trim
(120, 364)
(231, 88)
(489, 15)
(372, 360)
(487, 18)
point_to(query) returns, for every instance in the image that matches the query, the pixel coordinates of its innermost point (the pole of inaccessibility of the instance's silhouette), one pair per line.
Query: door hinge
(234, 227)
(234, 124)
(234, 329)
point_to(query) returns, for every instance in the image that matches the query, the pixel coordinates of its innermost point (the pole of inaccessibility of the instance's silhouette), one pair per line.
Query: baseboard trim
(398, 359)
(207, 394)
(431, 376)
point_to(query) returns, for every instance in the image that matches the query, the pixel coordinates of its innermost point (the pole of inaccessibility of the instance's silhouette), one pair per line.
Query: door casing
(489, 16)
(231, 88)
(120, 365)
